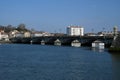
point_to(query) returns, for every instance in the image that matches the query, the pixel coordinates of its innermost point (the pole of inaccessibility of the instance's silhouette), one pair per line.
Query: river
(37, 62)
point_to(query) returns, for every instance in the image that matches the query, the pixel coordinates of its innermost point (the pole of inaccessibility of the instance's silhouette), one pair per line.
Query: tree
(8, 28)
(21, 27)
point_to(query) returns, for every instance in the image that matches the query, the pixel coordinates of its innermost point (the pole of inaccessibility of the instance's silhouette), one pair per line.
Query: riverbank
(115, 47)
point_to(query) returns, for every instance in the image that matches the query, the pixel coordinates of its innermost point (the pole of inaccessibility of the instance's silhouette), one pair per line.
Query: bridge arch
(76, 43)
(98, 44)
(42, 42)
(57, 42)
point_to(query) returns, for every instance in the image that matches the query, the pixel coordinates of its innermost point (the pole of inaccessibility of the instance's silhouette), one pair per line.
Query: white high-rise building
(75, 31)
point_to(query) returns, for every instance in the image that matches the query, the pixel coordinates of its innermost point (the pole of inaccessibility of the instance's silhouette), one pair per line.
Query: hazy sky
(56, 15)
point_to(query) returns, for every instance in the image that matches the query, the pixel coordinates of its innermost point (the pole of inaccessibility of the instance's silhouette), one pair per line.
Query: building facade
(75, 31)
(27, 34)
(3, 36)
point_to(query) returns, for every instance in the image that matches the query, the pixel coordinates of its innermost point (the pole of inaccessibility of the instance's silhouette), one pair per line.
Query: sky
(56, 15)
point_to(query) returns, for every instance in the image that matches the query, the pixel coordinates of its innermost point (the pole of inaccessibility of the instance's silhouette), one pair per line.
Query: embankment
(115, 47)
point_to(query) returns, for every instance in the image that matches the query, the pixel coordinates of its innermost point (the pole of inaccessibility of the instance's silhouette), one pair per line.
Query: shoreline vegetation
(114, 49)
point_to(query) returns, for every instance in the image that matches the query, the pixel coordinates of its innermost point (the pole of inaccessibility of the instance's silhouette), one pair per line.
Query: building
(40, 34)
(75, 31)
(3, 36)
(13, 33)
(27, 34)
(90, 34)
(21, 35)
(109, 33)
(105, 33)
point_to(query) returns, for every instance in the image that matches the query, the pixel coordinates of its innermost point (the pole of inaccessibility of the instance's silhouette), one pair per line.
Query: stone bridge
(64, 40)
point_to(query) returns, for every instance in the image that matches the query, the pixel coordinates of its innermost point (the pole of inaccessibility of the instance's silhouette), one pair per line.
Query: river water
(36, 62)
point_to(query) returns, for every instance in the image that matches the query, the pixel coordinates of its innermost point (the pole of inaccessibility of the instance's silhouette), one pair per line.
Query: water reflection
(116, 66)
(97, 50)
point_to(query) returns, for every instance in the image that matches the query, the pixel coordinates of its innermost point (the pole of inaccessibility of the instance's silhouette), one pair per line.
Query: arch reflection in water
(97, 49)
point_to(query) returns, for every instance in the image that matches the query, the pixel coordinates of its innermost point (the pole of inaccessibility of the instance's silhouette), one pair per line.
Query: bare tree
(21, 27)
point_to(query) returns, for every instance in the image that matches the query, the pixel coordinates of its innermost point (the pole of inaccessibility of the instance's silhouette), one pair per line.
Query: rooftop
(75, 27)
